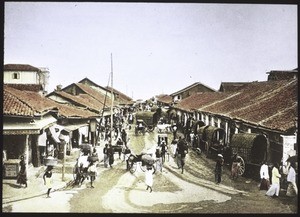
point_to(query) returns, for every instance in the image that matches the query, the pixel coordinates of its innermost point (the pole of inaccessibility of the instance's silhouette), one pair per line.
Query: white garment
(264, 172)
(291, 177)
(84, 161)
(173, 147)
(274, 189)
(149, 177)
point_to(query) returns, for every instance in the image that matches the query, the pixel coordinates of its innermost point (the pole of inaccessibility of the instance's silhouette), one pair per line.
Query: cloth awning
(25, 128)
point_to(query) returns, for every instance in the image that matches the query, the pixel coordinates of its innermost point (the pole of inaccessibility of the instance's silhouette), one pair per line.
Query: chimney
(58, 87)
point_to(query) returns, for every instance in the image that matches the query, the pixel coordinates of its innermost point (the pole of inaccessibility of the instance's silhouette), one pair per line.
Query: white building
(25, 74)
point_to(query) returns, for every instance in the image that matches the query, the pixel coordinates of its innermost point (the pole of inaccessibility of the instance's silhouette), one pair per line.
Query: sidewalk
(13, 192)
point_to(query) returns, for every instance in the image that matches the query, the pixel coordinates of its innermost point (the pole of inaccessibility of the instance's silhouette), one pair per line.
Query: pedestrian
(164, 149)
(174, 130)
(158, 155)
(110, 154)
(124, 136)
(149, 176)
(48, 179)
(264, 177)
(92, 171)
(235, 167)
(275, 186)
(120, 146)
(181, 152)
(105, 152)
(83, 164)
(292, 189)
(219, 168)
(173, 147)
(127, 153)
(22, 175)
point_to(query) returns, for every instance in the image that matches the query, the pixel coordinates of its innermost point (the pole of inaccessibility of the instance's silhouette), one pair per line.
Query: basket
(93, 158)
(50, 161)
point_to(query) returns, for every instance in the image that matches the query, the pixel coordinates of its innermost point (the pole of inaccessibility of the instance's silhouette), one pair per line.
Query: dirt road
(118, 191)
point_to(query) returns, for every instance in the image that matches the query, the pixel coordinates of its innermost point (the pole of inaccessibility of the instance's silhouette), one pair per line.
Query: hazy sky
(156, 47)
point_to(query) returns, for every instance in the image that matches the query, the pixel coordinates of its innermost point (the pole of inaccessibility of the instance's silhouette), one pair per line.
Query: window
(16, 75)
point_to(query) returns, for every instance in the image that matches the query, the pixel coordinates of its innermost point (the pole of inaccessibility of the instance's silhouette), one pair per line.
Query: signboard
(288, 147)
(11, 170)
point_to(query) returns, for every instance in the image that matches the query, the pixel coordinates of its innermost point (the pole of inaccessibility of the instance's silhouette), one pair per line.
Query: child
(149, 177)
(92, 172)
(48, 179)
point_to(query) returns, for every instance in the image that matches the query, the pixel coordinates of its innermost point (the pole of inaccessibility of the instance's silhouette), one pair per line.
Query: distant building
(26, 74)
(282, 74)
(188, 91)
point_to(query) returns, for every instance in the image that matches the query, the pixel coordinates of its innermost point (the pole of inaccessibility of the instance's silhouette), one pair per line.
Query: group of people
(273, 187)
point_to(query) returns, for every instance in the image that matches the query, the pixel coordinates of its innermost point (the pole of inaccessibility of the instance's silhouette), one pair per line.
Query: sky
(151, 48)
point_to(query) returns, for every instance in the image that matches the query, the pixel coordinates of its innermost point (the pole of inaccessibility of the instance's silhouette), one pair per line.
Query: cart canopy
(250, 146)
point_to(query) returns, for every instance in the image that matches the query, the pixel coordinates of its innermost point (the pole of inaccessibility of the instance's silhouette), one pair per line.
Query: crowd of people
(279, 175)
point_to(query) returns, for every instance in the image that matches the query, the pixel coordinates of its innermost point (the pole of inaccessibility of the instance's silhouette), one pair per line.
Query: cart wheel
(242, 166)
(132, 167)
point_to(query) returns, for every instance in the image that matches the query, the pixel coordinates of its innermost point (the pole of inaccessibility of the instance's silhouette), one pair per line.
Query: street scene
(117, 190)
(188, 108)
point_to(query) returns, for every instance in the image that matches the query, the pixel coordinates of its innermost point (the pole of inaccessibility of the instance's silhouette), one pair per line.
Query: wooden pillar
(227, 132)
(27, 150)
(36, 162)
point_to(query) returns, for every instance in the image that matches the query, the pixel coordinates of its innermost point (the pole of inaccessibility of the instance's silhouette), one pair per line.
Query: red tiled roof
(93, 93)
(192, 86)
(164, 98)
(25, 103)
(19, 67)
(30, 104)
(70, 111)
(200, 99)
(271, 104)
(30, 87)
(83, 100)
(232, 86)
(122, 98)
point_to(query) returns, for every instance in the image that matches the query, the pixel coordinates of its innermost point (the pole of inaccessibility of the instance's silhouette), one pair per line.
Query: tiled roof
(70, 111)
(271, 104)
(30, 87)
(30, 104)
(19, 67)
(83, 100)
(232, 86)
(200, 99)
(123, 99)
(191, 86)
(25, 103)
(93, 93)
(164, 98)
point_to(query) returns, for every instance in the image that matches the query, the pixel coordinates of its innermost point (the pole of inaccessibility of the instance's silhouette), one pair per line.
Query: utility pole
(112, 101)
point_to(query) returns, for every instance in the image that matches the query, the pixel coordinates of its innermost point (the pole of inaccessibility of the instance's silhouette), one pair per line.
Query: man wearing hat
(218, 168)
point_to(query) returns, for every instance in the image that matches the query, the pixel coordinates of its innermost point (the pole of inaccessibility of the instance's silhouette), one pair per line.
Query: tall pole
(112, 101)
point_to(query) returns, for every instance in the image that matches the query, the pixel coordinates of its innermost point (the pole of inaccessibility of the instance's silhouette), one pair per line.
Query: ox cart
(210, 140)
(252, 150)
(144, 122)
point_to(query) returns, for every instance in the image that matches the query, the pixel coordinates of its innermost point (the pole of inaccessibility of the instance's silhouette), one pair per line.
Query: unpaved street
(118, 191)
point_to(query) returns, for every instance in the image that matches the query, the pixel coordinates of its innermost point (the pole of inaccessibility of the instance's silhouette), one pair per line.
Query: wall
(25, 78)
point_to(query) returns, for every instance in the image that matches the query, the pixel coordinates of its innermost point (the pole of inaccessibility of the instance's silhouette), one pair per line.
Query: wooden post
(64, 160)
(27, 150)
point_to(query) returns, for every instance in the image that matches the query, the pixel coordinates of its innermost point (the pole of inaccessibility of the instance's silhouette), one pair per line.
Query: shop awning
(25, 128)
